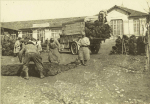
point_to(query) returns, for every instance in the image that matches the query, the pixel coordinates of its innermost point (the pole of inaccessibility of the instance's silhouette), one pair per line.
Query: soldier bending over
(31, 53)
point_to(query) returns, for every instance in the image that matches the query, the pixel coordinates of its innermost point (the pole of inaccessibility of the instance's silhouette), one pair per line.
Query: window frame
(115, 27)
(136, 27)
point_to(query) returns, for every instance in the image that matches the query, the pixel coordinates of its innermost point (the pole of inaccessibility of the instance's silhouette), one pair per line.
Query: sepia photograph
(75, 52)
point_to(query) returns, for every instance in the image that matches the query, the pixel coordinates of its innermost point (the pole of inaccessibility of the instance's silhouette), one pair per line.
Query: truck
(71, 33)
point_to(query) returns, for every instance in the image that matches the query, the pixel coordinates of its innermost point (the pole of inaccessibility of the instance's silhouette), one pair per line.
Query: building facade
(42, 31)
(126, 21)
(8, 33)
(45, 30)
(123, 21)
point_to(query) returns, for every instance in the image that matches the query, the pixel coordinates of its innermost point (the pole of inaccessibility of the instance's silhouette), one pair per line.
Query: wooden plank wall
(75, 28)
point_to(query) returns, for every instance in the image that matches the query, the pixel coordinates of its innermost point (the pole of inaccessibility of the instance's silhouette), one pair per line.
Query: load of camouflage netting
(131, 45)
(97, 29)
(8, 47)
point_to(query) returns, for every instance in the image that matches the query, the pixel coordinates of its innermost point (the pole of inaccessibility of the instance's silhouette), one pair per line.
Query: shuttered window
(117, 27)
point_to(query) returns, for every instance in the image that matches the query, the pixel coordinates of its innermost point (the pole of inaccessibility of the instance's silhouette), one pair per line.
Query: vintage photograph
(75, 52)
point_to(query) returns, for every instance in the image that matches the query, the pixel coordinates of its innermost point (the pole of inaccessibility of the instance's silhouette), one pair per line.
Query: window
(41, 35)
(56, 33)
(117, 27)
(13, 36)
(136, 24)
(142, 23)
(27, 34)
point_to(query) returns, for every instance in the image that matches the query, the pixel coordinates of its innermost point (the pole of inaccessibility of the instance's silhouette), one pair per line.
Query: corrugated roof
(29, 24)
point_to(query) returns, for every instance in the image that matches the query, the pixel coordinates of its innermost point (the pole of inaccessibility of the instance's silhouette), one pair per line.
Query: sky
(23, 10)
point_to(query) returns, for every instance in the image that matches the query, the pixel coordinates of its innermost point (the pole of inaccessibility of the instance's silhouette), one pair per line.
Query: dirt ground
(107, 79)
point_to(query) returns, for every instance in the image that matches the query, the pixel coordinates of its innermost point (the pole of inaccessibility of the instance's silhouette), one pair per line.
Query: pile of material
(8, 47)
(50, 69)
(98, 28)
(132, 45)
(141, 45)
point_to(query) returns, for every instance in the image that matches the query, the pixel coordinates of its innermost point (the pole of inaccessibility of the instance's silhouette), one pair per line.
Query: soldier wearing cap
(84, 52)
(17, 46)
(39, 46)
(102, 16)
(31, 53)
(53, 49)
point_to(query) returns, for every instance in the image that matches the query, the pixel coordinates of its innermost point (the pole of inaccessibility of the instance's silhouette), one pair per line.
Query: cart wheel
(95, 49)
(74, 48)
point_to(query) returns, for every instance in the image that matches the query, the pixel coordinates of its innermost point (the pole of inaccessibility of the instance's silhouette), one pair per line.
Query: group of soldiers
(30, 50)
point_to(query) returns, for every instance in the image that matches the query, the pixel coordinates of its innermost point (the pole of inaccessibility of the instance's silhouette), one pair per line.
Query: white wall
(117, 14)
(20, 34)
(47, 34)
(142, 22)
(34, 34)
(131, 28)
(126, 27)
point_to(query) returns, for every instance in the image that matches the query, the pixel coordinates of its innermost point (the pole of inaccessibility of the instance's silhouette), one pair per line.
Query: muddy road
(107, 79)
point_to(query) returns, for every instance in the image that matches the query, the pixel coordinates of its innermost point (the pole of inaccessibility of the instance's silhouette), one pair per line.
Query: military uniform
(84, 52)
(31, 53)
(39, 46)
(54, 54)
(17, 47)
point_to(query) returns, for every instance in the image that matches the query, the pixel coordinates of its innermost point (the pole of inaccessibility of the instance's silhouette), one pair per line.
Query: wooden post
(125, 49)
(148, 47)
(147, 65)
(122, 45)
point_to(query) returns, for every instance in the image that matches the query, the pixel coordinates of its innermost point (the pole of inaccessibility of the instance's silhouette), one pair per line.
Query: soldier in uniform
(54, 47)
(39, 46)
(31, 53)
(17, 47)
(84, 52)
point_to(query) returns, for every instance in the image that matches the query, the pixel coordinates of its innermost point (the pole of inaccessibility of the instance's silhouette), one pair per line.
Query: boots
(25, 69)
(41, 75)
(85, 61)
(26, 75)
(82, 63)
